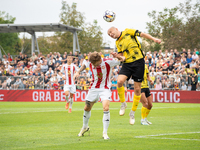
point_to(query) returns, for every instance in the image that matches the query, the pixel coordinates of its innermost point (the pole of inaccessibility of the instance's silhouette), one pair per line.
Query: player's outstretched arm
(149, 79)
(148, 36)
(83, 67)
(119, 56)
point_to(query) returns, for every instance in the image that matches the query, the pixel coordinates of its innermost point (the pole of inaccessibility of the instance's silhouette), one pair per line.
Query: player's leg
(121, 92)
(71, 100)
(137, 74)
(91, 98)
(86, 117)
(66, 90)
(105, 95)
(106, 118)
(149, 107)
(136, 100)
(144, 107)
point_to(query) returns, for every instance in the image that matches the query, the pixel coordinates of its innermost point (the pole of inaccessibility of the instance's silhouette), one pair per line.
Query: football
(109, 16)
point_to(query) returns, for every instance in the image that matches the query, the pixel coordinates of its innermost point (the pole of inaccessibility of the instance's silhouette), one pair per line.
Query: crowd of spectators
(172, 70)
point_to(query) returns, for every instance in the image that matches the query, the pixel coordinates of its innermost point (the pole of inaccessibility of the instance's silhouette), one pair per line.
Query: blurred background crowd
(170, 70)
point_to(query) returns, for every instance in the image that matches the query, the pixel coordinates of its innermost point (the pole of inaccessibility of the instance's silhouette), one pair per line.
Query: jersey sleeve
(62, 69)
(86, 63)
(112, 61)
(134, 32)
(76, 68)
(118, 48)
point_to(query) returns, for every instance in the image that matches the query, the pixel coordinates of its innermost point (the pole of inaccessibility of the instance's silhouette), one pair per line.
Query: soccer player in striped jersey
(129, 46)
(101, 69)
(69, 70)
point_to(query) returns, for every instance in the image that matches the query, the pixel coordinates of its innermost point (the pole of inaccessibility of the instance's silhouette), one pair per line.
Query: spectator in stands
(33, 57)
(165, 69)
(195, 56)
(44, 67)
(106, 55)
(53, 78)
(189, 58)
(64, 59)
(198, 76)
(193, 84)
(88, 81)
(158, 85)
(177, 66)
(17, 83)
(61, 83)
(131, 84)
(183, 86)
(114, 84)
(80, 56)
(1, 85)
(82, 84)
(56, 85)
(176, 86)
(4, 85)
(49, 72)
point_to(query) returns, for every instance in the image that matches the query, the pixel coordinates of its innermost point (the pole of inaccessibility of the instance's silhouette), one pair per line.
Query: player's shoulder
(129, 30)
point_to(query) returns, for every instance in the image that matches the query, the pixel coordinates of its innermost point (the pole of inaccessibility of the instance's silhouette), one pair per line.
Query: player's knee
(120, 83)
(87, 108)
(150, 106)
(106, 108)
(145, 105)
(137, 90)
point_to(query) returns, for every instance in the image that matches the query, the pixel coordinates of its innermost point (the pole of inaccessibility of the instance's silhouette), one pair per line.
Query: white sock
(106, 121)
(70, 102)
(86, 117)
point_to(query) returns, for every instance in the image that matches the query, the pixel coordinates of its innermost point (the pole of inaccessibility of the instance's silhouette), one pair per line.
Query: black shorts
(134, 69)
(146, 91)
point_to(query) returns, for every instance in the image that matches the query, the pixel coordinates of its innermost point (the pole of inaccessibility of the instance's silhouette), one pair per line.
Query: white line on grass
(157, 136)
(29, 110)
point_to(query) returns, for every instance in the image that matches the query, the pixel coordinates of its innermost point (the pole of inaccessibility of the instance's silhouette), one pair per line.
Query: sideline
(157, 136)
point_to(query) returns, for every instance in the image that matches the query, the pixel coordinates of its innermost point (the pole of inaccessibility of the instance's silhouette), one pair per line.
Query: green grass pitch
(47, 125)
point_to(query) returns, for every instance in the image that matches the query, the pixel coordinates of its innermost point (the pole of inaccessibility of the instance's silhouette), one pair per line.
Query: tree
(90, 39)
(9, 41)
(178, 27)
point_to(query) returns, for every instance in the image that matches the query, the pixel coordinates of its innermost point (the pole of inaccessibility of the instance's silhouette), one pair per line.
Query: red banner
(59, 96)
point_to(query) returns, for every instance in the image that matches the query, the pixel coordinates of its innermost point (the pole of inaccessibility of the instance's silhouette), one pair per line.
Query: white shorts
(94, 95)
(70, 88)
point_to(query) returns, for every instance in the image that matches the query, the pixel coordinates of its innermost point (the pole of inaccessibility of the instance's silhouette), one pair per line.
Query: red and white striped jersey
(69, 71)
(101, 74)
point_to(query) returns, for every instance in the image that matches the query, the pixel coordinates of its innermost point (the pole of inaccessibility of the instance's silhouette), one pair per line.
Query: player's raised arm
(83, 67)
(148, 36)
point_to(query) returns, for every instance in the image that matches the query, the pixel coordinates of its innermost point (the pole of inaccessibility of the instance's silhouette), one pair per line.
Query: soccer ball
(109, 16)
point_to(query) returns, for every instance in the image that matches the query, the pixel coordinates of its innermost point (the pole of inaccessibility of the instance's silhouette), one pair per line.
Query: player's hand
(76, 75)
(157, 41)
(122, 58)
(63, 77)
(125, 88)
(114, 54)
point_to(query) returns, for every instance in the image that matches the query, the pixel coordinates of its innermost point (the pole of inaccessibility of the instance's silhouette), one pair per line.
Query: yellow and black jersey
(145, 81)
(129, 45)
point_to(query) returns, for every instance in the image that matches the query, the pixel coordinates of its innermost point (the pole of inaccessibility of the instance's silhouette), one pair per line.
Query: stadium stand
(170, 70)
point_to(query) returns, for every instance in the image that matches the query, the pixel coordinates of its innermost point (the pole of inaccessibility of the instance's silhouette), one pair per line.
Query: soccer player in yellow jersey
(130, 48)
(146, 98)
